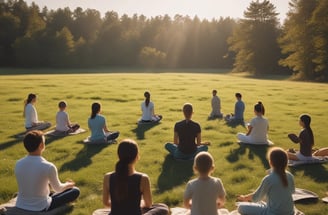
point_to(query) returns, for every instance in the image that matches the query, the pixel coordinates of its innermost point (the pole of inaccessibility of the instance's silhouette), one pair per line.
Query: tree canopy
(258, 43)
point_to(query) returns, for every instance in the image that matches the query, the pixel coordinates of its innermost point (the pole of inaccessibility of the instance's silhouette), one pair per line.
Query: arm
(199, 139)
(220, 202)
(250, 128)
(146, 192)
(176, 138)
(245, 198)
(106, 196)
(55, 182)
(187, 203)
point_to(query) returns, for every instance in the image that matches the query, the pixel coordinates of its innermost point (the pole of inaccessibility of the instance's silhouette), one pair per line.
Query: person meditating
(186, 132)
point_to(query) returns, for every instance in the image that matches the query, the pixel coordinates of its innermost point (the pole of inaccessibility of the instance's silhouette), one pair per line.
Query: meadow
(241, 168)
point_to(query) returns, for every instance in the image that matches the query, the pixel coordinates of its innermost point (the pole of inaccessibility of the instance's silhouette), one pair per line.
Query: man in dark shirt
(187, 137)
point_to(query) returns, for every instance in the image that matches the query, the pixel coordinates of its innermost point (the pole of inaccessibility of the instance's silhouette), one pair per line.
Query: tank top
(131, 205)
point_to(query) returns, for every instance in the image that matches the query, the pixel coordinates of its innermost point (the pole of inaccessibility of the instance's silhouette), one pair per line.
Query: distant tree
(255, 40)
(297, 41)
(9, 31)
(150, 57)
(320, 22)
(304, 39)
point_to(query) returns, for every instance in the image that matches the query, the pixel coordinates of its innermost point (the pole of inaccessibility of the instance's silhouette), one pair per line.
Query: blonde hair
(203, 162)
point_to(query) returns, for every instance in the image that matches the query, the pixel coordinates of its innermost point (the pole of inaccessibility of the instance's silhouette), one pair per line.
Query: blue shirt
(278, 197)
(96, 126)
(239, 109)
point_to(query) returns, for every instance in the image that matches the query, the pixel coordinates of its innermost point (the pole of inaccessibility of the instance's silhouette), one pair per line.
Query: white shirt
(147, 112)
(62, 121)
(33, 175)
(259, 129)
(31, 116)
(204, 193)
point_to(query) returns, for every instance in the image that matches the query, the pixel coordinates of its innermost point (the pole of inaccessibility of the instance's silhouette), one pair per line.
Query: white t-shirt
(31, 116)
(62, 121)
(259, 129)
(33, 175)
(147, 112)
(204, 193)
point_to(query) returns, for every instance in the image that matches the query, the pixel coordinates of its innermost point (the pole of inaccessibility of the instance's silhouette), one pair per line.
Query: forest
(258, 43)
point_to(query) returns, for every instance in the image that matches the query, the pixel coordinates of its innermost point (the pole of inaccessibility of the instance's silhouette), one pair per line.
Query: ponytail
(279, 159)
(95, 108)
(29, 99)
(122, 172)
(147, 96)
(127, 153)
(259, 107)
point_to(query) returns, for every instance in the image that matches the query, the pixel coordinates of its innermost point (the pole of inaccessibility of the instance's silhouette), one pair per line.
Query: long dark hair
(259, 107)
(29, 99)
(278, 158)
(147, 96)
(127, 153)
(306, 119)
(95, 108)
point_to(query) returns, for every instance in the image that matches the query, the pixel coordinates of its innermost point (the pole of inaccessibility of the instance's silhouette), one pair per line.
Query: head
(128, 154)
(62, 105)
(259, 108)
(147, 98)
(278, 160)
(33, 140)
(214, 92)
(238, 96)
(305, 120)
(95, 109)
(127, 151)
(187, 110)
(31, 98)
(204, 163)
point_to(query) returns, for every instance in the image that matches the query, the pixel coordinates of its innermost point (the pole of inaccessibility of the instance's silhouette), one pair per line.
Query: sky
(204, 9)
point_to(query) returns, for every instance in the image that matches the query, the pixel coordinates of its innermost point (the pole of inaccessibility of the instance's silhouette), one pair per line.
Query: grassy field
(240, 168)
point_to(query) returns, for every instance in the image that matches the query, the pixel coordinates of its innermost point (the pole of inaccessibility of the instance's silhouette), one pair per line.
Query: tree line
(258, 43)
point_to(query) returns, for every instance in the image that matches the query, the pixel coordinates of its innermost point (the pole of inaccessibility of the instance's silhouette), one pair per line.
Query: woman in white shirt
(31, 116)
(148, 112)
(257, 128)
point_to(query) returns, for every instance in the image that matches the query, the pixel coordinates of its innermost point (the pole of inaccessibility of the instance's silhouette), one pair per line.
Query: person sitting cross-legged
(185, 133)
(34, 175)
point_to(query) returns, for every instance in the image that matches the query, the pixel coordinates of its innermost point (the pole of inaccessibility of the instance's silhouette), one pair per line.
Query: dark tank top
(130, 206)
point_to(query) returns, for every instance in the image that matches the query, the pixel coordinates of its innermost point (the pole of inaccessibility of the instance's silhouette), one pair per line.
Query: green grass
(240, 168)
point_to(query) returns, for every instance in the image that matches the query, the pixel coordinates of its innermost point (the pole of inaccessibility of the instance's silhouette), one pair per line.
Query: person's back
(96, 126)
(35, 176)
(131, 205)
(204, 194)
(260, 129)
(62, 121)
(32, 177)
(147, 111)
(239, 110)
(279, 197)
(187, 131)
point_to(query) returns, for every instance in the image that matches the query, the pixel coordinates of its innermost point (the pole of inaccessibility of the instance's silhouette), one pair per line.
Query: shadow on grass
(10, 143)
(141, 129)
(315, 171)
(53, 138)
(174, 173)
(258, 150)
(235, 123)
(83, 157)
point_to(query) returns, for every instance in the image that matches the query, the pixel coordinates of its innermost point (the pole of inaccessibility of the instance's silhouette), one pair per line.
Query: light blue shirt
(96, 125)
(278, 197)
